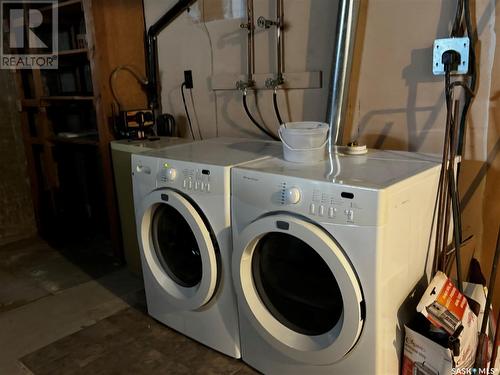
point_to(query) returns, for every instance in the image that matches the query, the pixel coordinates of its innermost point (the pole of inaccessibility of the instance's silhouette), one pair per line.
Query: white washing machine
(182, 203)
(324, 268)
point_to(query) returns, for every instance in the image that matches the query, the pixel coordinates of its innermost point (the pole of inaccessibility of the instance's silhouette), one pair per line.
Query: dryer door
(178, 249)
(298, 289)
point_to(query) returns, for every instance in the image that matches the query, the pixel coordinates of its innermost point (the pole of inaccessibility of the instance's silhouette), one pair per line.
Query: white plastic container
(304, 142)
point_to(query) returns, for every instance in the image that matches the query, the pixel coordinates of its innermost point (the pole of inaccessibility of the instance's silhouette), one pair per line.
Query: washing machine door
(298, 289)
(178, 249)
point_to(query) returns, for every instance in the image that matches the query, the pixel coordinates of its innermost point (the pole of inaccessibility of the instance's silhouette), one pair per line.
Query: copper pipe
(250, 42)
(280, 50)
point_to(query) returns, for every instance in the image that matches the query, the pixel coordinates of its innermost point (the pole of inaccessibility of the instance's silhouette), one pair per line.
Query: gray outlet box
(460, 45)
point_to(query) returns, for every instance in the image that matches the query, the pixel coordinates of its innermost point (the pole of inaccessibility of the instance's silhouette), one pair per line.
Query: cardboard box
(444, 306)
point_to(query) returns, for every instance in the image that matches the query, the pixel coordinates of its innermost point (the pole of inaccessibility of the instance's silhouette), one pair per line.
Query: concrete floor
(53, 301)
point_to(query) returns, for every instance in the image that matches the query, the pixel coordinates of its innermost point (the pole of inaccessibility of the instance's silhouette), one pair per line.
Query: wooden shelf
(85, 140)
(71, 52)
(61, 4)
(36, 141)
(67, 97)
(113, 35)
(30, 103)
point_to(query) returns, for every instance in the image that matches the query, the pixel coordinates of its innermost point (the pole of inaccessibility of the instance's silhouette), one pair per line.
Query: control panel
(322, 201)
(185, 178)
(196, 179)
(334, 206)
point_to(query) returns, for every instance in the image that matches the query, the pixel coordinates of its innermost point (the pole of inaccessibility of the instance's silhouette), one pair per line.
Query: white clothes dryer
(324, 264)
(182, 200)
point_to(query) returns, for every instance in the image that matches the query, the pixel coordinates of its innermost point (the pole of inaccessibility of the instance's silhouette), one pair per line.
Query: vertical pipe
(152, 49)
(250, 42)
(280, 24)
(347, 19)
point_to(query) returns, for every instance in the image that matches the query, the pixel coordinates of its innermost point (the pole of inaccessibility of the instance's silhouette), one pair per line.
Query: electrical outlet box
(188, 79)
(460, 45)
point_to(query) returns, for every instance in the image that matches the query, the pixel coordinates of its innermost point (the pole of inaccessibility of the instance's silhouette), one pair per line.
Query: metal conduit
(152, 48)
(280, 52)
(347, 19)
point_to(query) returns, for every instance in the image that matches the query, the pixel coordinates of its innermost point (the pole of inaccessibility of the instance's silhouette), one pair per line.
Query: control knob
(292, 195)
(171, 174)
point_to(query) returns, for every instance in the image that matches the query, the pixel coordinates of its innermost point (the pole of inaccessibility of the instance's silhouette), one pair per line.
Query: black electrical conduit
(472, 34)
(261, 128)
(463, 15)
(152, 86)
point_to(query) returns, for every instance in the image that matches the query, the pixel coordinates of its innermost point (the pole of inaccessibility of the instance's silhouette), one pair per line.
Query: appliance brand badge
(250, 178)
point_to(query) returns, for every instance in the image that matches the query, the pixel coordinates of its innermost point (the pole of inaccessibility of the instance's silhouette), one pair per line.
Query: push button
(207, 187)
(190, 184)
(312, 209)
(350, 215)
(331, 212)
(321, 210)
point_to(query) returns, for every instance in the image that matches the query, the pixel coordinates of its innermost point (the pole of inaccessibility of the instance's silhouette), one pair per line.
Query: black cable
(276, 108)
(186, 110)
(455, 203)
(195, 113)
(262, 129)
(458, 19)
(457, 137)
(447, 85)
(469, 95)
(473, 75)
(463, 85)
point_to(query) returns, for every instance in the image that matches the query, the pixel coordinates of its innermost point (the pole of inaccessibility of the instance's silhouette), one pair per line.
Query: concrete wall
(395, 101)
(16, 209)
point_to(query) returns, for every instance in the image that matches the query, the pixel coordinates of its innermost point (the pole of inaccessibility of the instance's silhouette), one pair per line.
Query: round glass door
(296, 285)
(176, 247)
(298, 289)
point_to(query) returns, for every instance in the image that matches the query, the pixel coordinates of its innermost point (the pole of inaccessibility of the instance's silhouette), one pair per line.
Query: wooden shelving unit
(76, 51)
(67, 97)
(89, 141)
(72, 175)
(62, 4)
